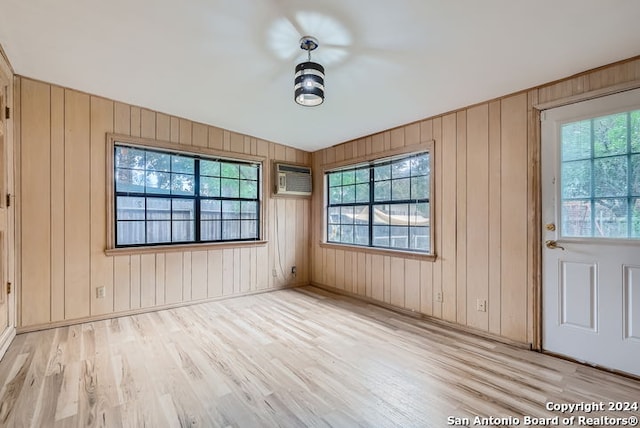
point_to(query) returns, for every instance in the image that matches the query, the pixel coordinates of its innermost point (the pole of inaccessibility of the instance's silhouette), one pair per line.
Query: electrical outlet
(481, 305)
(274, 273)
(101, 292)
(439, 297)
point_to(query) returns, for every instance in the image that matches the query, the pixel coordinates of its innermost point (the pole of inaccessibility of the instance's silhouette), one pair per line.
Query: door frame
(535, 176)
(6, 72)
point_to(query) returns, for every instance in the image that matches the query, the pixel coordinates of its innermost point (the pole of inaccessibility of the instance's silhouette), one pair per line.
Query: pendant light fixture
(309, 77)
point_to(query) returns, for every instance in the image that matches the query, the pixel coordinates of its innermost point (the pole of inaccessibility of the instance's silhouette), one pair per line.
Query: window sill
(380, 251)
(182, 247)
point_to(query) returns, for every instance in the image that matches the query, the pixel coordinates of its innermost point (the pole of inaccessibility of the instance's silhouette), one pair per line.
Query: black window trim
(197, 153)
(370, 164)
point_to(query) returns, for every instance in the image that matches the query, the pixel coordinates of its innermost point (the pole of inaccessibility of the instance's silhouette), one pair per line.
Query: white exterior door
(591, 231)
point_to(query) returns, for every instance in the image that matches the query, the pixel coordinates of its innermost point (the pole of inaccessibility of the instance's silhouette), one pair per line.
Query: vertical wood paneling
(411, 272)
(227, 271)
(448, 202)
(200, 135)
(495, 211)
(478, 219)
(136, 121)
(514, 217)
(35, 170)
(135, 266)
(245, 271)
(148, 280)
(101, 266)
(163, 127)
(199, 267)
(160, 279)
(173, 277)
(426, 287)
(214, 275)
(461, 217)
(376, 279)
(77, 205)
(339, 283)
(185, 132)
(174, 130)
(186, 276)
(396, 281)
(122, 283)
(148, 124)
(436, 134)
(57, 209)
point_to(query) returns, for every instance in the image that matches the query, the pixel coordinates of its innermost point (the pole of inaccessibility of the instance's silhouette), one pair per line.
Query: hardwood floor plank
(291, 358)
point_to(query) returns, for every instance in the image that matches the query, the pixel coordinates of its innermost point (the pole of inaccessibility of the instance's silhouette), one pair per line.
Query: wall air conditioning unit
(292, 180)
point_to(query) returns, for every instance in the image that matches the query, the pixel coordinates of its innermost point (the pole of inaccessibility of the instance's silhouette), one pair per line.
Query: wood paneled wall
(63, 214)
(486, 212)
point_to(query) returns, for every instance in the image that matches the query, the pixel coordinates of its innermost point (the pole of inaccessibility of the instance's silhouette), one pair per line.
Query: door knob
(553, 245)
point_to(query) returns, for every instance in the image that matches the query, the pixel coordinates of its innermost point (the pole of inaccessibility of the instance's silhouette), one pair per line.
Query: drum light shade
(309, 77)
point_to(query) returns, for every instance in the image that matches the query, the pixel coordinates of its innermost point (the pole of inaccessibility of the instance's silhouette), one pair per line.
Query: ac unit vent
(292, 180)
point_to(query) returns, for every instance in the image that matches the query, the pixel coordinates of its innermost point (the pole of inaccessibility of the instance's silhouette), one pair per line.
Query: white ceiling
(230, 63)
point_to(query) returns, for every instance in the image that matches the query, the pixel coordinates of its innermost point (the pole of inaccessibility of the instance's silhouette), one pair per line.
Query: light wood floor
(288, 358)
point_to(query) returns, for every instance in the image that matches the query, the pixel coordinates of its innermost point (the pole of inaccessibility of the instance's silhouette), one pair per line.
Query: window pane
(158, 182)
(129, 208)
(182, 164)
(158, 209)
(127, 157)
(610, 176)
(158, 231)
(420, 188)
(419, 214)
(576, 179)
(249, 189)
(420, 165)
(182, 231)
(334, 215)
(399, 237)
(362, 192)
(361, 215)
(381, 214)
(576, 218)
(210, 210)
(130, 180)
(347, 215)
(576, 140)
(230, 170)
(382, 172)
(183, 209)
(130, 232)
(249, 172)
(398, 214)
(230, 188)
(230, 210)
(635, 217)
(635, 130)
(610, 135)
(210, 168)
(333, 234)
(210, 230)
(210, 186)
(249, 229)
(382, 191)
(348, 194)
(335, 195)
(635, 175)
(361, 235)
(230, 229)
(400, 189)
(362, 175)
(182, 184)
(611, 218)
(249, 209)
(380, 236)
(419, 238)
(158, 161)
(346, 234)
(401, 168)
(348, 177)
(335, 179)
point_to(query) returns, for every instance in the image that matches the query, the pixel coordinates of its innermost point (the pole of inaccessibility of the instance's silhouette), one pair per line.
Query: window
(384, 204)
(600, 176)
(167, 197)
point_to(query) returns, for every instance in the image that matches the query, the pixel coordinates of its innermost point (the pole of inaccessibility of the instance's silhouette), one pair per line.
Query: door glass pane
(600, 177)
